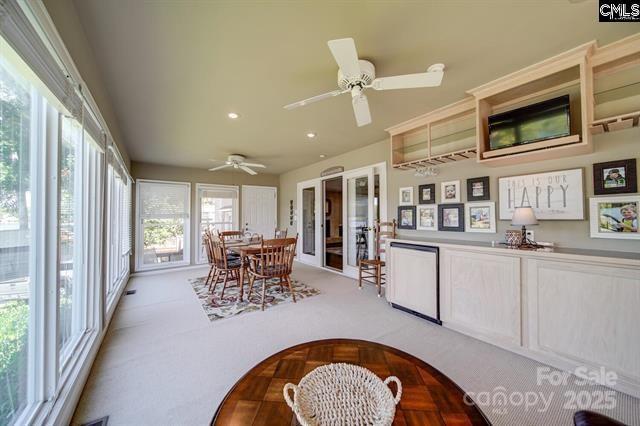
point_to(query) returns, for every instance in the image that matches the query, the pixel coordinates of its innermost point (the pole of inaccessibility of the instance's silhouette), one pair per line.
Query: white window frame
(236, 214)
(139, 243)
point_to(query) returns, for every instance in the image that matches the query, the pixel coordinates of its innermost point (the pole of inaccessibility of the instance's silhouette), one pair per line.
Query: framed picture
(427, 218)
(553, 195)
(406, 196)
(407, 217)
(451, 217)
(450, 191)
(614, 217)
(478, 189)
(480, 217)
(427, 193)
(615, 177)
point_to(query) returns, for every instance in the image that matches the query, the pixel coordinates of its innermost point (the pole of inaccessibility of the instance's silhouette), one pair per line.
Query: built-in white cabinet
(568, 309)
(585, 314)
(480, 294)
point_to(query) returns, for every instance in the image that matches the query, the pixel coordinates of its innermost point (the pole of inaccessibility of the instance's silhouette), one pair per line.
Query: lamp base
(526, 243)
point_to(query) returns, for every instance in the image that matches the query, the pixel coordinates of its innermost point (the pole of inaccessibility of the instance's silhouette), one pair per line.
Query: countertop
(626, 258)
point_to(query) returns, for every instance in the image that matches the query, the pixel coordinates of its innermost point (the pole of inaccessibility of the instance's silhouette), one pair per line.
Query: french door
(358, 193)
(310, 224)
(363, 201)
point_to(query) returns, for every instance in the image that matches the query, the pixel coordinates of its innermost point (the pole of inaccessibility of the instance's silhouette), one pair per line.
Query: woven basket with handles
(343, 394)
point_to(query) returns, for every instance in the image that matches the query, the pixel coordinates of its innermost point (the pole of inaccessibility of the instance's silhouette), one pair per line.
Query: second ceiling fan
(355, 75)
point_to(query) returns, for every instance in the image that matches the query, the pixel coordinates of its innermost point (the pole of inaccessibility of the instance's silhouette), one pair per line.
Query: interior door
(259, 210)
(310, 226)
(358, 190)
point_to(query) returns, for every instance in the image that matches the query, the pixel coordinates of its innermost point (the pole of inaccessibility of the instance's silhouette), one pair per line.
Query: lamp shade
(523, 216)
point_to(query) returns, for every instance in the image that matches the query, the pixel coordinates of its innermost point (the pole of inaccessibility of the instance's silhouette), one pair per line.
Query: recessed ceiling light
(322, 155)
(311, 135)
(233, 115)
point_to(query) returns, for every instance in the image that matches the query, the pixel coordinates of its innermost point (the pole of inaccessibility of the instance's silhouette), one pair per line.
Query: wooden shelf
(613, 69)
(611, 124)
(418, 142)
(533, 146)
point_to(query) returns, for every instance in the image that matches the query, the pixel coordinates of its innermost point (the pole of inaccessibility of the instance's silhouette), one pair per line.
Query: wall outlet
(530, 235)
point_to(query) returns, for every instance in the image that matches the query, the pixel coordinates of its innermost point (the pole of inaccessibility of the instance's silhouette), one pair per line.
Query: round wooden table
(428, 396)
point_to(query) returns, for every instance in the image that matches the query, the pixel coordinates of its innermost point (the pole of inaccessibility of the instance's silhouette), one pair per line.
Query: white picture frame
(450, 192)
(556, 195)
(474, 223)
(430, 223)
(607, 218)
(405, 196)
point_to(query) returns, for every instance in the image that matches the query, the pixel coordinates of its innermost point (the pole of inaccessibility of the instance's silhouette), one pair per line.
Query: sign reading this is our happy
(553, 195)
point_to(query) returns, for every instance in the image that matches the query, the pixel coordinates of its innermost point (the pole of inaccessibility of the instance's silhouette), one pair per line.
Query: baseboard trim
(165, 270)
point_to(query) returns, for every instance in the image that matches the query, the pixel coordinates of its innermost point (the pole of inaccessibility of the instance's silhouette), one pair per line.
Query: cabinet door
(586, 314)
(481, 295)
(413, 280)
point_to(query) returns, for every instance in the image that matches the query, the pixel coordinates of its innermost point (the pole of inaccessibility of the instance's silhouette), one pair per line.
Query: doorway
(333, 223)
(336, 217)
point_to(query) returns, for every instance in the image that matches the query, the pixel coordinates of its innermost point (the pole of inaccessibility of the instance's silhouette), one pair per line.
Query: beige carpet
(164, 363)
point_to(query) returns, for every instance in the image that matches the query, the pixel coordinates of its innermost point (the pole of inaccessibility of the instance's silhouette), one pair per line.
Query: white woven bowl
(343, 394)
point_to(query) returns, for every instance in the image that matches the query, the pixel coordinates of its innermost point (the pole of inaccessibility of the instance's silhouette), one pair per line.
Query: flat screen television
(533, 123)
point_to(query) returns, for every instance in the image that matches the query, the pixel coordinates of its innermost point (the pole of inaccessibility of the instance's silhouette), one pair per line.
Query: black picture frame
(630, 177)
(454, 206)
(432, 187)
(412, 225)
(486, 195)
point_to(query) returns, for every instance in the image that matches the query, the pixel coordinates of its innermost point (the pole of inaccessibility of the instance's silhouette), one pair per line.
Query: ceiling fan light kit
(237, 161)
(356, 75)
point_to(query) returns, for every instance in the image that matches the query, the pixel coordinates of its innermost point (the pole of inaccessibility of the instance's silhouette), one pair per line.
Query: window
(70, 280)
(52, 231)
(163, 231)
(217, 209)
(16, 238)
(118, 230)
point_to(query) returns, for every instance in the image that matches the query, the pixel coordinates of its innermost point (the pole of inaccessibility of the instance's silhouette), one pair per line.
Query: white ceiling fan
(355, 75)
(237, 162)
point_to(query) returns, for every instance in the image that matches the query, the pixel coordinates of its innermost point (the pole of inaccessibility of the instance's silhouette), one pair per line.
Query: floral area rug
(216, 308)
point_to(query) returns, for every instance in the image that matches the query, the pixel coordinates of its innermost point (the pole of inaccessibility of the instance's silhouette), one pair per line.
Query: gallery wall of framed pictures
(554, 195)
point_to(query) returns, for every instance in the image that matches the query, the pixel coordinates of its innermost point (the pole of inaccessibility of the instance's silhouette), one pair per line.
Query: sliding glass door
(163, 224)
(217, 209)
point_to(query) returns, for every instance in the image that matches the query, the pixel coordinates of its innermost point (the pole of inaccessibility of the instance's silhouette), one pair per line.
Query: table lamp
(523, 216)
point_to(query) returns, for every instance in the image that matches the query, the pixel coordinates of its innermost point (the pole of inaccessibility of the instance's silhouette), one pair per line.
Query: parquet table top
(428, 396)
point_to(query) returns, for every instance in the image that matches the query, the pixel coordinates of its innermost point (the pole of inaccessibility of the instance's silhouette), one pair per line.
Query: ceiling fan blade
(219, 167)
(262, 166)
(248, 170)
(315, 99)
(361, 110)
(431, 78)
(345, 54)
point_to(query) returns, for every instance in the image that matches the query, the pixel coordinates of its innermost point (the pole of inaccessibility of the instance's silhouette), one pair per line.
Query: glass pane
(15, 242)
(217, 211)
(163, 240)
(69, 291)
(309, 221)
(357, 219)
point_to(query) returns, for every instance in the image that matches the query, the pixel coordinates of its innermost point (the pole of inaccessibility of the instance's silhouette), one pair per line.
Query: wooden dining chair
(372, 270)
(280, 233)
(226, 269)
(274, 261)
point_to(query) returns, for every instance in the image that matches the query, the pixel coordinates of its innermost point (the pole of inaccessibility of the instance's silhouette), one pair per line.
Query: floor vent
(128, 293)
(99, 422)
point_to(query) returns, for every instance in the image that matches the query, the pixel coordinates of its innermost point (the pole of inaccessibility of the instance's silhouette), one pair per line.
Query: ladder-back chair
(372, 270)
(274, 261)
